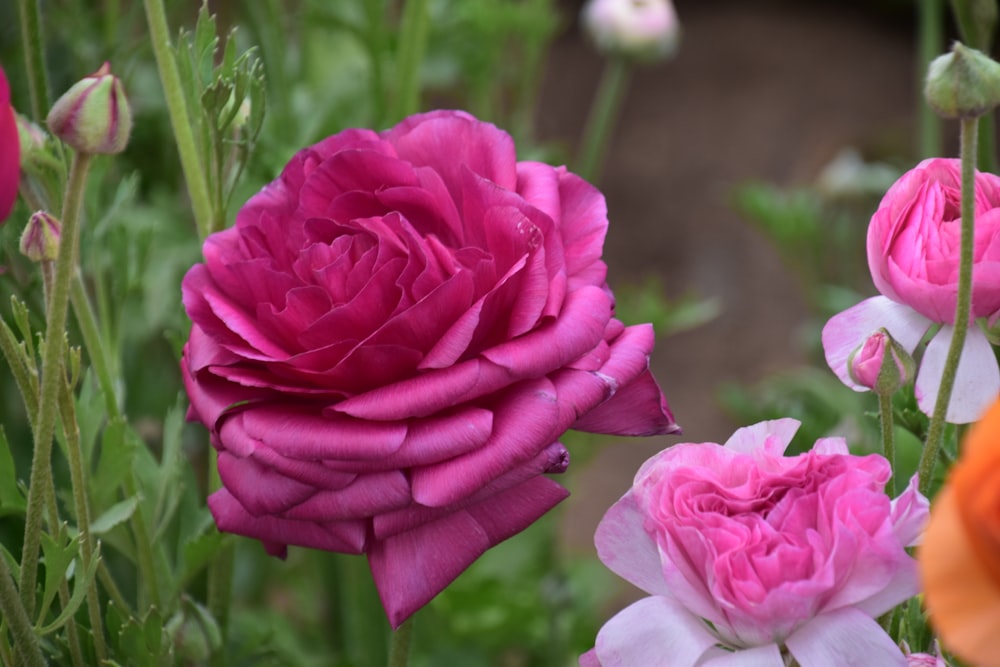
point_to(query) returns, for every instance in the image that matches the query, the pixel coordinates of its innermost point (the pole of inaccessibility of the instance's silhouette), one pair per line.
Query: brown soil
(760, 90)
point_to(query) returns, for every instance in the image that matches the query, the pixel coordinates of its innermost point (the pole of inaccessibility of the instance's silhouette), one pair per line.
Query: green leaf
(11, 500)
(118, 447)
(199, 552)
(171, 485)
(115, 515)
(79, 592)
(59, 552)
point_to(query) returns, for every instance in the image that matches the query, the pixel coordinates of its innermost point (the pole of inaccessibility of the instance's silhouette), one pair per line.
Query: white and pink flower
(913, 248)
(750, 556)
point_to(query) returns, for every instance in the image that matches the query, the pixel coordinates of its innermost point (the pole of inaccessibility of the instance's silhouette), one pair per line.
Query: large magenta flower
(10, 151)
(913, 254)
(390, 341)
(750, 556)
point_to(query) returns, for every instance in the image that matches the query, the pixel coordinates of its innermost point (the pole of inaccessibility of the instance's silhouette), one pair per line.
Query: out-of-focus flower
(747, 554)
(913, 248)
(924, 659)
(960, 554)
(40, 239)
(93, 116)
(390, 341)
(881, 364)
(643, 29)
(10, 151)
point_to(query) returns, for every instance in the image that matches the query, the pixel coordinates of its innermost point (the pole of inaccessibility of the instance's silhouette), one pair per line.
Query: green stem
(25, 375)
(16, 616)
(34, 58)
(220, 586)
(603, 113)
(375, 43)
(888, 438)
(143, 549)
(412, 43)
(963, 304)
(78, 482)
(930, 44)
(87, 321)
(194, 172)
(399, 647)
(52, 376)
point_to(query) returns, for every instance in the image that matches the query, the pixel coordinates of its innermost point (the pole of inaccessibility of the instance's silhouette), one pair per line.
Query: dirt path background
(760, 90)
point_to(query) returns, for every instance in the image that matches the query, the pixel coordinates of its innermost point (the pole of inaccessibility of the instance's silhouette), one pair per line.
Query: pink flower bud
(883, 373)
(645, 29)
(10, 151)
(93, 116)
(40, 239)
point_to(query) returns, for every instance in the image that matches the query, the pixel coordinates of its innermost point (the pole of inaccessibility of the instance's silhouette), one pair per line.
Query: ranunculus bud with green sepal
(963, 84)
(40, 239)
(881, 364)
(93, 116)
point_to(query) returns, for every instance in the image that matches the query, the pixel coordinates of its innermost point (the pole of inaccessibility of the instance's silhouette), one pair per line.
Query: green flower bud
(93, 116)
(40, 239)
(963, 84)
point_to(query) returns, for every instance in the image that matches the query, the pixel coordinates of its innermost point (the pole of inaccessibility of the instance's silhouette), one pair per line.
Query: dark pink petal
(538, 183)
(305, 434)
(369, 495)
(412, 567)
(365, 170)
(259, 489)
(340, 536)
(639, 408)
(523, 424)
(584, 225)
(10, 154)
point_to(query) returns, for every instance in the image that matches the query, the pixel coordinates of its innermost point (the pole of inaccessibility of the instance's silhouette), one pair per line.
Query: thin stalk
(72, 633)
(194, 171)
(25, 643)
(399, 646)
(34, 57)
(888, 437)
(602, 117)
(52, 376)
(412, 44)
(78, 482)
(375, 43)
(930, 38)
(87, 321)
(963, 304)
(220, 586)
(114, 593)
(148, 572)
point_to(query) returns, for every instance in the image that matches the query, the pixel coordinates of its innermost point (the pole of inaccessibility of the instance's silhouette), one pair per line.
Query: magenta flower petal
(389, 343)
(977, 382)
(10, 156)
(443, 549)
(844, 637)
(654, 631)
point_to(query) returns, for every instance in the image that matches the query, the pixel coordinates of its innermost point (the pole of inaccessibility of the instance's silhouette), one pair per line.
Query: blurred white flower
(644, 29)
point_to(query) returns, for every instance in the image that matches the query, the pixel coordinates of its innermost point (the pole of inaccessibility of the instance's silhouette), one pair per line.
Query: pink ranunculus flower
(913, 254)
(10, 151)
(750, 556)
(390, 341)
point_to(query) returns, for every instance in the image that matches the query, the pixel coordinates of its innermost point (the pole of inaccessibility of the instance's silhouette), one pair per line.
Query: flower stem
(78, 482)
(888, 438)
(34, 57)
(16, 617)
(930, 17)
(52, 376)
(194, 171)
(603, 113)
(412, 43)
(399, 647)
(963, 306)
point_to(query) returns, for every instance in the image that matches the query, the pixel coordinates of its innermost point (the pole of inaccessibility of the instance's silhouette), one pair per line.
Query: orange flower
(960, 555)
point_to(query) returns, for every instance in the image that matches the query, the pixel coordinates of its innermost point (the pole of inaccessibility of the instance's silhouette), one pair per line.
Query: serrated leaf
(117, 453)
(59, 553)
(115, 515)
(170, 488)
(11, 500)
(76, 599)
(199, 552)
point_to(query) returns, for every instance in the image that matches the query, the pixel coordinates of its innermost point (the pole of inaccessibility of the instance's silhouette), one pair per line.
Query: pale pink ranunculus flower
(749, 556)
(913, 254)
(646, 29)
(388, 345)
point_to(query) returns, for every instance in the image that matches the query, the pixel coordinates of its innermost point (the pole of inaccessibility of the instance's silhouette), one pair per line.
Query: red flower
(391, 340)
(10, 151)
